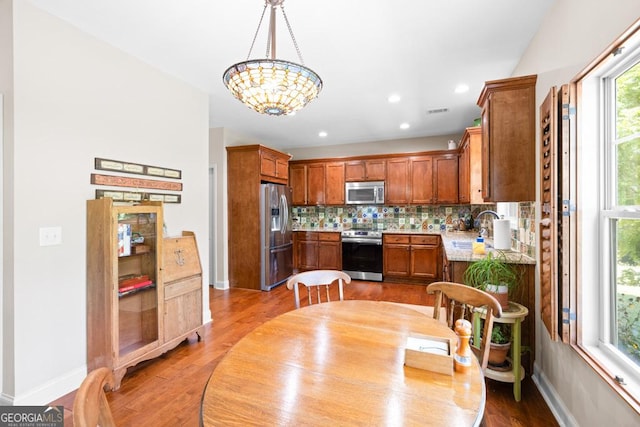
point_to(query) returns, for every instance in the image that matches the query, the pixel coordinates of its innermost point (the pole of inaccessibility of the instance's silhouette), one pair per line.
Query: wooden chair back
(461, 300)
(316, 279)
(90, 407)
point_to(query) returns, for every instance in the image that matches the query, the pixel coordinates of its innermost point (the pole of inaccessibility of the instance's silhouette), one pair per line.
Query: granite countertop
(457, 245)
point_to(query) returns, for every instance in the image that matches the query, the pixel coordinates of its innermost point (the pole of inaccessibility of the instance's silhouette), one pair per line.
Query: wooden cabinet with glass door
(126, 308)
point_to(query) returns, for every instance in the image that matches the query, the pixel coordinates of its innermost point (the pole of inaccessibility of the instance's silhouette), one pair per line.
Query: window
(622, 205)
(508, 210)
(608, 206)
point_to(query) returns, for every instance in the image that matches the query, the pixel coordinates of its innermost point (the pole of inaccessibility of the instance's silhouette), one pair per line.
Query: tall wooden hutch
(144, 292)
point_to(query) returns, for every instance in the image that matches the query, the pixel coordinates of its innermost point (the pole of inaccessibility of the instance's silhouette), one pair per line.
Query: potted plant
(499, 345)
(493, 274)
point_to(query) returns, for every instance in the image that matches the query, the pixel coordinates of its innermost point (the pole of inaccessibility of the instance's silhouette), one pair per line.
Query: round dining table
(339, 364)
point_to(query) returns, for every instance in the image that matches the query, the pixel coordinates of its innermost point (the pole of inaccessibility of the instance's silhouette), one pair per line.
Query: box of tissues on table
(429, 353)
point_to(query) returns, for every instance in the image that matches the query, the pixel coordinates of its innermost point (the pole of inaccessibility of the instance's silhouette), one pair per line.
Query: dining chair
(90, 407)
(317, 279)
(461, 300)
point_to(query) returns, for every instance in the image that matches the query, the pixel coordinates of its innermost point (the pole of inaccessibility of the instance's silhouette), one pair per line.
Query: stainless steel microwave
(364, 193)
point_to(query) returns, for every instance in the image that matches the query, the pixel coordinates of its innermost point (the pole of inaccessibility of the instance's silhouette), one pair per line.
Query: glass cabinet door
(137, 294)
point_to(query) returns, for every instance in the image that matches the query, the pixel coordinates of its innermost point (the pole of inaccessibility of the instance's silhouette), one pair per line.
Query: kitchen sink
(466, 244)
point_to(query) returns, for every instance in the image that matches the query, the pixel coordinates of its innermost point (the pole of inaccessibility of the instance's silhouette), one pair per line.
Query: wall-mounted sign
(123, 181)
(140, 169)
(137, 196)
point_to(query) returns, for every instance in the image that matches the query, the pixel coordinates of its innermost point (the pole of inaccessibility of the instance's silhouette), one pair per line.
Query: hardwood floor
(167, 391)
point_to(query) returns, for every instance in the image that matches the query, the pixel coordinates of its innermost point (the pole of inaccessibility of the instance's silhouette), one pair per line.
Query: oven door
(362, 258)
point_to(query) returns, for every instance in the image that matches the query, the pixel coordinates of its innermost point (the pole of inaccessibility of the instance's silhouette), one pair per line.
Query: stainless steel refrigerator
(276, 240)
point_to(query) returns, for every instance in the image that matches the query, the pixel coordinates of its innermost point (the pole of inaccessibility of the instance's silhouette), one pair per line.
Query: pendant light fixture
(273, 86)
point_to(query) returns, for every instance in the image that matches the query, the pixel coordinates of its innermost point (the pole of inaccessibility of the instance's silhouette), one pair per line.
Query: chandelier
(272, 86)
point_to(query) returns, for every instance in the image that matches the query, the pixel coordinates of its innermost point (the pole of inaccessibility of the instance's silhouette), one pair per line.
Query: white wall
(573, 34)
(6, 88)
(218, 158)
(406, 145)
(77, 98)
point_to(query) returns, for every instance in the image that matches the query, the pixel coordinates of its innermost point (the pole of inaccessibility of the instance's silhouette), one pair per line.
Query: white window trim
(594, 160)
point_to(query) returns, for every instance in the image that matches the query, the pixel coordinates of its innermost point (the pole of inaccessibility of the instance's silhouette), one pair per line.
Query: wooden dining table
(339, 364)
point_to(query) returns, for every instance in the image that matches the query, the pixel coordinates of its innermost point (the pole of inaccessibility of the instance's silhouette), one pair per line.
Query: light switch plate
(50, 236)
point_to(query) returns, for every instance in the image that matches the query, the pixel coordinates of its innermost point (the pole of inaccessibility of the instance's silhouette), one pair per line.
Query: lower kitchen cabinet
(425, 257)
(412, 257)
(317, 250)
(396, 256)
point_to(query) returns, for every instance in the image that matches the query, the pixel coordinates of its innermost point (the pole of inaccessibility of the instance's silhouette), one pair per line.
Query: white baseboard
(221, 285)
(6, 400)
(51, 390)
(555, 403)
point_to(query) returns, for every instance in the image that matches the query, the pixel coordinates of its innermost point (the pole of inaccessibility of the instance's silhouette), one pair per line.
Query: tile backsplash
(525, 236)
(426, 218)
(409, 218)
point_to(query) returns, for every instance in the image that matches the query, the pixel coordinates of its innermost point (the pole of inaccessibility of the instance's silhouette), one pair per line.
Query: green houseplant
(500, 344)
(493, 274)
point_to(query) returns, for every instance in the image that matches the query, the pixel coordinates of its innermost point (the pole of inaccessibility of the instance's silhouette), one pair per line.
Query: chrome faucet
(484, 231)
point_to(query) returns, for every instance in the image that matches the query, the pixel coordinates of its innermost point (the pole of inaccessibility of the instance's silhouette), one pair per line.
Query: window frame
(593, 285)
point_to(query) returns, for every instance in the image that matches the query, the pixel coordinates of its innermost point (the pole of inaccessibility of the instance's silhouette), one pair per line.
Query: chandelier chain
(295, 43)
(255, 36)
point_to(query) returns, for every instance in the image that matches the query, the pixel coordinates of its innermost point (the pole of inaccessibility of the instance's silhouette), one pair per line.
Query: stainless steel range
(362, 254)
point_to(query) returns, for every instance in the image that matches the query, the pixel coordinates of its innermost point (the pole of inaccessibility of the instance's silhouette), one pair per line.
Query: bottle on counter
(478, 246)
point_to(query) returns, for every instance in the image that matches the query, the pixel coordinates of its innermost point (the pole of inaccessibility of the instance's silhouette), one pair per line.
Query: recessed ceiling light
(405, 126)
(394, 98)
(462, 88)
(322, 134)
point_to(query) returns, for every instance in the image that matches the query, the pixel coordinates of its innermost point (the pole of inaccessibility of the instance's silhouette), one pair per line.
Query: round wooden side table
(514, 316)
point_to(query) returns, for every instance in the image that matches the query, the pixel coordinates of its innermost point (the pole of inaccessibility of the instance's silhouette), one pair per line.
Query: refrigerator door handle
(285, 214)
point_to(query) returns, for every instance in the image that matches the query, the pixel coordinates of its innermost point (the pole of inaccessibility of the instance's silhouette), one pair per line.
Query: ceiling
(364, 51)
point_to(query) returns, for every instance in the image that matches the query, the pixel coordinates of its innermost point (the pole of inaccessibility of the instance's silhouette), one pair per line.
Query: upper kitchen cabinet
(397, 185)
(298, 184)
(307, 182)
(421, 180)
(464, 172)
(334, 183)
(272, 165)
(508, 139)
(470, 167)
(365, 170)
(434, 179)
(445, 178)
